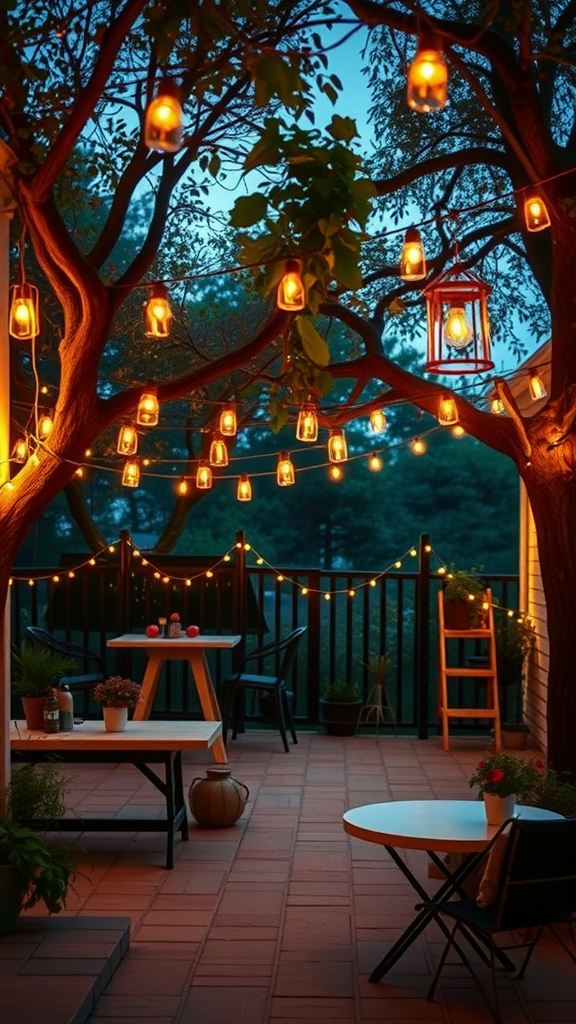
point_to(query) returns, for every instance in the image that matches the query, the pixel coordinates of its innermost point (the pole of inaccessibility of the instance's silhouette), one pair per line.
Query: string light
(291, 294)
(447, 411)
(20, 450)
(163, 121)
(375, 463)
(24, 320)
(131, 473)
(228, 421)
(458, 430)
(307, 424)
(285, 475)
(182, 487)
(127, 440)
(45, 426)
(337, 449)
(378, 421)
(336, 473)
(148, 409)
(497, 407)
(244, 489)
(412, 261)
(158, 313)
(218, 452)
(203, 476)
(418, 446)
(536, 386)
(427, 86)
(535, 213)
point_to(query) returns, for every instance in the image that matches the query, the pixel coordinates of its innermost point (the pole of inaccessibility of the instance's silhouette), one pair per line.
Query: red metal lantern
(458, 326)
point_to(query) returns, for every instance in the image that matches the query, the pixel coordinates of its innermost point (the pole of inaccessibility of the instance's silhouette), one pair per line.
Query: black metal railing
(351, 617)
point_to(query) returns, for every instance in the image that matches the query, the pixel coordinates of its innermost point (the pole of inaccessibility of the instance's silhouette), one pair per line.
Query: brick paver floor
(280, 918)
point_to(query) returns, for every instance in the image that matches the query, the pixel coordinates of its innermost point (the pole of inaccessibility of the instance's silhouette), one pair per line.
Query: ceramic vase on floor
(115, 719)
(499, 808)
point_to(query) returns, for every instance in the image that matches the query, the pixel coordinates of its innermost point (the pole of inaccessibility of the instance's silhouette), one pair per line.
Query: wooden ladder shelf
(488, 673)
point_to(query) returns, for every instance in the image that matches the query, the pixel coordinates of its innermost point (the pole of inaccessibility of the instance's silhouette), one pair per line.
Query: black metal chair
(87, 659)
(233, 688)
(536, 889)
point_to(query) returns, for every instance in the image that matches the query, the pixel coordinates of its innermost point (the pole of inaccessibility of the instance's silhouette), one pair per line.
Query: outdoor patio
(279, 918)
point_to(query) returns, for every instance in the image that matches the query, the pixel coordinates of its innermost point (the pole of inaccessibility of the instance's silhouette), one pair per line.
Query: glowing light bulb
(131, 474)
(457, 330)
(163, 122)
(158, 313)
(377, 421)
(427, 85)
(418, 446)
(228, 422)
(20, 450)
(536, 387)
(337, 450)
(535, 214)
(148, 409)
(375, 463)
(218, 453)
(307, 425)
(285, 475)
(203, 476)
(244, 489)
(291, 294)
(127, 440)
(412, 262)
(458, 431)
(23, 320)
(497, 407)
(182, 487)
(336, 473)
(447, 411)
(45, 426)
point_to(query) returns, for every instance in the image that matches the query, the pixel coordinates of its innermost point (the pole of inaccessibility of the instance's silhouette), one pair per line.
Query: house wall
(533, 603)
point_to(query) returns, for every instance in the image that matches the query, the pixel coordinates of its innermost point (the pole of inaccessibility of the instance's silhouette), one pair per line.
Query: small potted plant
(340, 706)
(35, 670)
(515, 638)
(463, 593)
(117, 696)
(502, 780)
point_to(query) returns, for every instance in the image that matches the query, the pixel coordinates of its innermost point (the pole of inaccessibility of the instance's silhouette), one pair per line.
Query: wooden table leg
(149, 686)
(208, 700)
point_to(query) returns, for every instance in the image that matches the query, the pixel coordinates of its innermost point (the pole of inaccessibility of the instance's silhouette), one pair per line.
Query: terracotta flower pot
(34, 712)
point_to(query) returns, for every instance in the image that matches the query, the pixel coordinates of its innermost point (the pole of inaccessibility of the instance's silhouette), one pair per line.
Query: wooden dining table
(181, 648)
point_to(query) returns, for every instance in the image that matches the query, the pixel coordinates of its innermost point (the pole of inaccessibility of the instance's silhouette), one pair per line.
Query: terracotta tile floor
(280, 918)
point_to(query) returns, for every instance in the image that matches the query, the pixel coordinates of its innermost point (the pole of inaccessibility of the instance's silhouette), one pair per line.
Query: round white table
(438, 827)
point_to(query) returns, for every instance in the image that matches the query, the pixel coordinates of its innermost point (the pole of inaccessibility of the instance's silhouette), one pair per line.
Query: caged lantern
(458, 325)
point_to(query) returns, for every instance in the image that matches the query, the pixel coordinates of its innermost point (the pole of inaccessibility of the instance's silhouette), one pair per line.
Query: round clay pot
(218, 800)
(34, 712)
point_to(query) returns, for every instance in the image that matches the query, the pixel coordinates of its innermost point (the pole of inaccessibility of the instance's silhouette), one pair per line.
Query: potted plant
(515, 638)
(117, 696)
(463, 593)
(340, 707)
(31, 869)
(502, 779)
(35, 670)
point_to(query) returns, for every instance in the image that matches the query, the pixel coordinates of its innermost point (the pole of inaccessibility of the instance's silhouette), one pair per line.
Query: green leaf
(278, 417)
(343, 129)
(346, 269)
(248, 210)
(313, 343)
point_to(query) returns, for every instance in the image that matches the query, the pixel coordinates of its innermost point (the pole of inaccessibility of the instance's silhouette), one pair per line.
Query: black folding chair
(233, 688)
(536, 889)
(92, 664)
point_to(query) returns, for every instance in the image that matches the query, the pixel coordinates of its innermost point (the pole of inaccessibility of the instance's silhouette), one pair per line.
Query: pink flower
(496, 775)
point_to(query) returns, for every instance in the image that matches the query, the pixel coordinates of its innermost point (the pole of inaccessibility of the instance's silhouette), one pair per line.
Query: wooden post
(423, 636)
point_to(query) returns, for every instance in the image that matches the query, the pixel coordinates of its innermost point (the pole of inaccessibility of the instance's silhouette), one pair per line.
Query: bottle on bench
(66, 708)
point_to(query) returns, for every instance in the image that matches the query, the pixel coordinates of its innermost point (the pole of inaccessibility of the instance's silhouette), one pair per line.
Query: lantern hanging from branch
(447, 411)
(458, 326)
(127, 440)
(291, 291)
(307, 425)
(244, 489)
(148, 410)
(163, 123)
(158, 313)
(218, 452)
(337, 450)
(285, 475)
(427, 86)
(228, 421)
(535, 213)
(412, 261)
(24, 319)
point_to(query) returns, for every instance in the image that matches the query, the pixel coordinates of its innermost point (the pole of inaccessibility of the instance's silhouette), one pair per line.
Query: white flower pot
(499, 808)
(115, 719)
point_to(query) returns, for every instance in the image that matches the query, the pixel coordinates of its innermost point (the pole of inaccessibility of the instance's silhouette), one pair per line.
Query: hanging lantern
(285, 475)
(182, 487)
(458, 327)
(24, 320)
(203, 476)
(375, 463)
(20, 450)
(45, 426)
(447, 411)
(307, 425)
(427, 86)
(378, 421)
(412, 261)
(536, 386)
(535, 213)
(228, 423)
(131, 473)
(163, 123)
(218, 452)
(337, 450)
(291, 291)
(158, 313)
(127, 440)
(497, 407)
(244, 489)
(418, 446)
(148, 410)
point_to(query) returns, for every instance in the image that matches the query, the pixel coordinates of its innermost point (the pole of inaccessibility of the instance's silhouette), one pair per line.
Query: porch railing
(352, 616)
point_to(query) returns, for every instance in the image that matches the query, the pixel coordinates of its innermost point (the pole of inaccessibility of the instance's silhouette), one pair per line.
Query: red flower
(496, 775)
(482, 763)
(538, 764)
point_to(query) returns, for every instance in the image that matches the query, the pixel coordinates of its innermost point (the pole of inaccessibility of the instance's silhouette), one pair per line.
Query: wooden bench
(142, 744)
